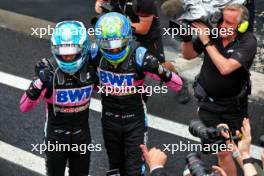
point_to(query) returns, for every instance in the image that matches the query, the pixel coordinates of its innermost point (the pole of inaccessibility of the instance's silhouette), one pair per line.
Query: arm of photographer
(241, 56)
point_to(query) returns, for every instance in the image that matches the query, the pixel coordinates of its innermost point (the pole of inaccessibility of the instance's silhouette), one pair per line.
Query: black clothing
(243, 49)
(123, 133)
(135, 8)
(78, 161)
(158, 172)
(227, 95)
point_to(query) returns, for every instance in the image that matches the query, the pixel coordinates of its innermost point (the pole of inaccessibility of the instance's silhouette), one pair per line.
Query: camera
(185, 12)
(196, 166)
(178, 26)
(184, 26)
(106, 8)
(209, 135)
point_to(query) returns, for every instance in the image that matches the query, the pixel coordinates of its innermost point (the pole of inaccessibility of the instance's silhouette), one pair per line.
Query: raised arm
(38, 87)
(33, 96)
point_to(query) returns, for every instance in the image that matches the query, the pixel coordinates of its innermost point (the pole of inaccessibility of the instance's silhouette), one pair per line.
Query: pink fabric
(26, 104)
(175, 83)
(138, 82)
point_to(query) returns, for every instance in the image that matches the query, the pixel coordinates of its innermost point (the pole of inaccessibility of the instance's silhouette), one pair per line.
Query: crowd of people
(128, 48)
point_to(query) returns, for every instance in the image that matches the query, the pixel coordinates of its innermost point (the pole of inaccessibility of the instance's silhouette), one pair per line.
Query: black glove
(44, 72)
(152, 65)
(164, 74)
(34, 90)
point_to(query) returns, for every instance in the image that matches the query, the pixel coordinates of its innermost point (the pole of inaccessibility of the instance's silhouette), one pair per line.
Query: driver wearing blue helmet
(65, 82)
(122, 66)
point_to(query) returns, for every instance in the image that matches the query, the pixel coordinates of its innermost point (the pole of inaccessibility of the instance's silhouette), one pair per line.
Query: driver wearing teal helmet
(65, 82)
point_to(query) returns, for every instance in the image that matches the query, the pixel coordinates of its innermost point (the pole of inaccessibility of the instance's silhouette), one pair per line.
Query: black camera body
(175, 25)
(209, 135)
(196, 166)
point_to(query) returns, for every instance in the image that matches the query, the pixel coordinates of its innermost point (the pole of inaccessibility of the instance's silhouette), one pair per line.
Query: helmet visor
(73, 59)
(112, 44)
(67, 49)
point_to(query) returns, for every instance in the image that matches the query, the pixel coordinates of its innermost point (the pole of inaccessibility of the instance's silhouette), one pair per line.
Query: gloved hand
(152, 65)
(164, 73)
(35, 88)
(44, 73)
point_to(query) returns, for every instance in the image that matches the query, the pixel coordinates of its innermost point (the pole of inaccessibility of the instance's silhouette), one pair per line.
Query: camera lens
(198, 129)
(195, 164)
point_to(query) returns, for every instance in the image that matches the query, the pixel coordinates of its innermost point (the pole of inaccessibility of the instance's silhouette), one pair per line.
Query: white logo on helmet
(66, 34)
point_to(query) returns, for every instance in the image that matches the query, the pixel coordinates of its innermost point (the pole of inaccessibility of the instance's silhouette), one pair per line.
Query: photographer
(223, 85)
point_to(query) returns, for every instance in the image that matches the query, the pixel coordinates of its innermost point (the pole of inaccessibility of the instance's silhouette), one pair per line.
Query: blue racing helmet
(115, 32)
(70, 38)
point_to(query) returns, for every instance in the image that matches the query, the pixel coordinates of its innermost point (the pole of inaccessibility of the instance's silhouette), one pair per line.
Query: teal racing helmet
(70, 38)
(115, 32)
